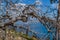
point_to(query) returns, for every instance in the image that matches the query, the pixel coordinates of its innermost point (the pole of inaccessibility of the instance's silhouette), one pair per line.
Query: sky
(45, 2)
(36, 27)
(39, 27)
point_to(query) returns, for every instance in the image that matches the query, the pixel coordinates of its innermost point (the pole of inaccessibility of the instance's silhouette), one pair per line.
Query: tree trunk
(58, 21)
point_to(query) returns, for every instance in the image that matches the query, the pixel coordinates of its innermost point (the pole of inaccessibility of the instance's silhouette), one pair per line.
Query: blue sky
(38, 27)
(45, 2)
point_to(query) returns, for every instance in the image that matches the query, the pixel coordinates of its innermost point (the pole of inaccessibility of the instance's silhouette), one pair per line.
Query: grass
(19, 34)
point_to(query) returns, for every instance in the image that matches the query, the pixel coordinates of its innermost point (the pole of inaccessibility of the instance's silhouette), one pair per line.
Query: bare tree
(23, 15)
